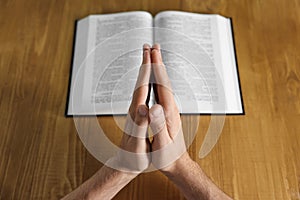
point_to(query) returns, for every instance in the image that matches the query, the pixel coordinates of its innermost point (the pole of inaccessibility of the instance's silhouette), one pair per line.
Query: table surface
(41, 156)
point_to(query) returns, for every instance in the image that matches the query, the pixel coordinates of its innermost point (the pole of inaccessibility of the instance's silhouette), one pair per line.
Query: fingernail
(154, 49)
(142, 111)
(157, 46)
(146, 46)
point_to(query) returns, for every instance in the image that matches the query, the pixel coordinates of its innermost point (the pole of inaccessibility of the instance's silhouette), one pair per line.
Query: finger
(137, 122)
(139, 130)
(141, 117)
(163, 88)
(141, 88)
(146, 54)
(158, 126)
(158, 57)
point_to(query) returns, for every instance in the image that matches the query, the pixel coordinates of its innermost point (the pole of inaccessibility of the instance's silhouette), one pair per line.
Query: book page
(111, 63)
(191, 51)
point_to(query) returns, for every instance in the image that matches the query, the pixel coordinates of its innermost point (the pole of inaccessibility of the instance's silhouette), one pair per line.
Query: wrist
(129, 163)
(119, 174)
(106, 183)
(180, 165)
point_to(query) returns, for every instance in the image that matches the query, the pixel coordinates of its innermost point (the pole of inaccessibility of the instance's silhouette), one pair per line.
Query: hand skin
(107, 182)
(184, 172)
(164, 118)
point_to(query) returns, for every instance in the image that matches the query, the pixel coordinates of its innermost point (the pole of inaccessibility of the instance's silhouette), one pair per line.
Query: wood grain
(41, 156)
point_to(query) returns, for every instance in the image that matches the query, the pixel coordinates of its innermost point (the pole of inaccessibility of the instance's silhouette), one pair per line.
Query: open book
(197, 49)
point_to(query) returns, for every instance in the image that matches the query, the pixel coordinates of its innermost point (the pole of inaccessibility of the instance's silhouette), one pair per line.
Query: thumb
(140, 124)
(158, 126)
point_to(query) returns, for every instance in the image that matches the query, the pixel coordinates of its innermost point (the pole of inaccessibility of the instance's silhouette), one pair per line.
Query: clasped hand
(167, 145)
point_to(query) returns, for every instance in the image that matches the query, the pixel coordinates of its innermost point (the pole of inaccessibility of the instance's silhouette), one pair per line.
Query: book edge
(71, 69)
(237, 67)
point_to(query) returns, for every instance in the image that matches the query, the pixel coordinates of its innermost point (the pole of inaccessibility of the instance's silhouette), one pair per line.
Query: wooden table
(41, 156)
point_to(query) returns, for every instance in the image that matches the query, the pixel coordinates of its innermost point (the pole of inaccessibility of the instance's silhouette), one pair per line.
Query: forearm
(192, 181)
(105, 184)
